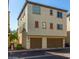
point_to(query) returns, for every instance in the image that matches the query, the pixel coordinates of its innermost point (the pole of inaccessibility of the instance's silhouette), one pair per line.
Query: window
(36, 9)
(59, 15)
(36, 24)
(44, 25)
(51, 25)
(59, 26)
(51, 12)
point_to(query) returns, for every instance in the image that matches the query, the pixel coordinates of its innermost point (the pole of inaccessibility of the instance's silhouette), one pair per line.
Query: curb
(47, 49)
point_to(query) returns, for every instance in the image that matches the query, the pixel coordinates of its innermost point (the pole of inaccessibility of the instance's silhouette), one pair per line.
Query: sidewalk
(60, 54)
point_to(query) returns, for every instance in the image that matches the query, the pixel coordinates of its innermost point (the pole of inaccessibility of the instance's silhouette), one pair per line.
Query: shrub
(19, 47)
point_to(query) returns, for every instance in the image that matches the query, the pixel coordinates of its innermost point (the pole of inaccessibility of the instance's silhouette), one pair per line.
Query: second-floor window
(36, 24)
(59, 14)
(36, 9)
(51, 12)
(51, 25)
(59, 26)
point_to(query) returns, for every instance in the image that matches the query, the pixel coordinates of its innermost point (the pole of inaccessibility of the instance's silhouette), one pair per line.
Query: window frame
(51, 26)
(36, 24)
(51, 12)
(59, 14)
(60, 26)
(33, 8)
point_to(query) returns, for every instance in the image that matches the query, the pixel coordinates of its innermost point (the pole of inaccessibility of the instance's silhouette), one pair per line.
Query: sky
(15, 6)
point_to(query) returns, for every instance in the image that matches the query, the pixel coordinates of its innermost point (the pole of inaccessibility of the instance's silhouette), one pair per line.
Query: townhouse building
(42, 26)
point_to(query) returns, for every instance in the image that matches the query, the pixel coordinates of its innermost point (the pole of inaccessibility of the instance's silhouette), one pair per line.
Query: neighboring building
(68, 30)
(41, 26)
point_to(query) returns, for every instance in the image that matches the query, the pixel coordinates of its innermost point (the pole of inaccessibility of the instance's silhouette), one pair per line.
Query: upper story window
(59, 14)
(51, 25)
(44, 25)
(36, 24)
(59, 26)
(51, 12)
(36, 9)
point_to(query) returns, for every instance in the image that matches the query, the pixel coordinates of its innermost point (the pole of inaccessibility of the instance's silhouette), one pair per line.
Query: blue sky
(15, 7)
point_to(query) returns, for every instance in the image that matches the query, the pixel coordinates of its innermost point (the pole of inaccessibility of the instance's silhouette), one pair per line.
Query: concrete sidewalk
(60, 54)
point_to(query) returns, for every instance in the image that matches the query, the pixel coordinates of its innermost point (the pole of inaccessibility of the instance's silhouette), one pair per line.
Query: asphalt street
(41, 54)
(50, 57)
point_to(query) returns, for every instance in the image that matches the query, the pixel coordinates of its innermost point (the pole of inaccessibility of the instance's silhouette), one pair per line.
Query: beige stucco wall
(45, 17)
(68, 30)
(27, 42)
(68, 37)
(26, 18)
(68, 23)
(21, 26)
(20, 38)
(44, 42)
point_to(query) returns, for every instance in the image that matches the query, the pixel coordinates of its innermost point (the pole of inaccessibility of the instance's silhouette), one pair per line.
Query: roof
(39, 5)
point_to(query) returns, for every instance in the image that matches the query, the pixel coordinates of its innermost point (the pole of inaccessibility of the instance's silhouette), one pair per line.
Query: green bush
(19, 47)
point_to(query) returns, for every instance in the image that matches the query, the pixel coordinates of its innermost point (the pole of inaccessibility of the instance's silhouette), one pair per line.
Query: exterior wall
(26, 18)
(68, 23)
(23, 24)
(20, 38)
(23, 38)
(44, 42)
(45, 17)
(27, 42)
(68, 30)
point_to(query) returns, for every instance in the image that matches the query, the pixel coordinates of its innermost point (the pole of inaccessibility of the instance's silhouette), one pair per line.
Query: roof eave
(47, 6)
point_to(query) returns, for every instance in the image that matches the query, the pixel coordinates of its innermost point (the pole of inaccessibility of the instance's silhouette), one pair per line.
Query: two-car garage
(51, 43)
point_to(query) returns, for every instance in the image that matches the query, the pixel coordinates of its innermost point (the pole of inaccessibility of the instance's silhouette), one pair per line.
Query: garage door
(54, 42)
(36, 43)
